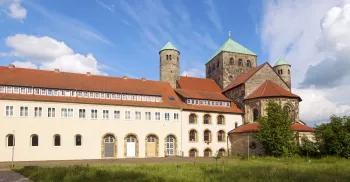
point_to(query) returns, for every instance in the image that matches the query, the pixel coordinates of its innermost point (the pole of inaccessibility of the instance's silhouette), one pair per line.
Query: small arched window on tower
(281, 71)
(249, 64)
(178, 59)
(278, 71)
(240, 62)
(231, 61)
(255, 114)
(167, 57)
(288, 72)
(230, 78)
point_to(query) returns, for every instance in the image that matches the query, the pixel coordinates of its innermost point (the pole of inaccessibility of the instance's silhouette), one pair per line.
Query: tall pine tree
(275, 133)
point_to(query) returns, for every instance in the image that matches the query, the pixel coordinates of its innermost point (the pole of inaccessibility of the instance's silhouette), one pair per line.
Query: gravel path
(10, 176)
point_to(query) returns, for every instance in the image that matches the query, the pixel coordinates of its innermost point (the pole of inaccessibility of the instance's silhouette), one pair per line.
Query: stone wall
(265, 73)
(215, 72)
(170, 69)
(239, 144)
(237, 95)
(285, 75)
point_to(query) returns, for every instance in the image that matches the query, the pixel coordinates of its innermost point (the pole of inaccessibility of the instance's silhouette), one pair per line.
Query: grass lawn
(259, 169)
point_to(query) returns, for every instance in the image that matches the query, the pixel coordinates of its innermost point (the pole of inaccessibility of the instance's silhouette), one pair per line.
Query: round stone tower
(169, 64)
(282, 68)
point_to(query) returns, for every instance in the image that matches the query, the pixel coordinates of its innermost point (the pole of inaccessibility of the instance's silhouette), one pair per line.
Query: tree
(275, 133)
(333, 138)
(307, 147)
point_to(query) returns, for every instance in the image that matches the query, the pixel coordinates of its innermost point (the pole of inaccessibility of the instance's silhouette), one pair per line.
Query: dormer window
(102, 95)
(91, 95)
(67, 93)
(49, 92)
(80, 93)
(8, 89)
(139, 98)
(2, 89)
(123, 97)
(36, 91)
(15, 90)
(55, 92)
(23, 90)
(61, 92)
(74, 93)
(97, 95)
(43, 91)
(134, 97)
(86, 94)
(108, 96)
(29, 90)
(119, 96)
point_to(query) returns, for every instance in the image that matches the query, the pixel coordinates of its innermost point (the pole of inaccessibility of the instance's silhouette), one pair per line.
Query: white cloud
(213, 14)
(26, 64)
(48, 53)
(193, 72)
(313, 36)
(104, 5)
(16, 10)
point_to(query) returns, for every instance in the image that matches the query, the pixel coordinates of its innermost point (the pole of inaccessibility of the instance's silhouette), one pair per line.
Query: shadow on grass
(83, 174)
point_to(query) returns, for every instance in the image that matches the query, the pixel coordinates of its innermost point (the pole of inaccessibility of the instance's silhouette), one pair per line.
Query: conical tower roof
(232, 46)
(169, 46)
(281, 61)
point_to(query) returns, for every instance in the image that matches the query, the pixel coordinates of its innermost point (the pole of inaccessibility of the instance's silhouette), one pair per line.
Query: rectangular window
(2, 89)
(97, 95)
(119, 96)
(192, 101)
(116, 114)
(134, 97)
(176, 116)
(15, 90)
(86, 94)
(23, 111)
(157, 115)
(105, 114)
(9, 111)
(127, 115)
(67, 112)
(74, 93)
(108, 96)
(51, 112)
(8, 89)
(123, 97)
(167, 116)
(55, 92)
(67, 93)
(93, 113)
(143, 98)
(82, 113)
(188, 101)
(139, 98)
(91, 95)
(49, 92)
(102, 95)
(61, 92)
(148, 115)
(113, 96)
(23, 90)
(80, 93)
(137, 115)
(38, 111)
(43, 91)
(201, 102)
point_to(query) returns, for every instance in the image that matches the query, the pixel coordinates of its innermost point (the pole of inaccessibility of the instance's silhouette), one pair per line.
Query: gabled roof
(270, 89)
(198, 94)
(202, 84)
(243, 78)
(168, 46)
(254, 127)
(281, 62)
(232, 46)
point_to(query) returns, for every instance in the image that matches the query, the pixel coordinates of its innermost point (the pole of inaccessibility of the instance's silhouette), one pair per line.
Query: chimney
(125, 77)
(12, 66)
(57, 70)
(88, 73)
(143, 78)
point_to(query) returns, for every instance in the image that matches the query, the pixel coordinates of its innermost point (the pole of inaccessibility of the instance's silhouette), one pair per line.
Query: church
(55, 115)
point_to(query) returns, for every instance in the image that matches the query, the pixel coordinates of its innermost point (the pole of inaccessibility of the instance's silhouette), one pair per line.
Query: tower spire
(229, 34)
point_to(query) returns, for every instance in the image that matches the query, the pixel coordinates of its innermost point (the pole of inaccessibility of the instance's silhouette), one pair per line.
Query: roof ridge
(266, 82)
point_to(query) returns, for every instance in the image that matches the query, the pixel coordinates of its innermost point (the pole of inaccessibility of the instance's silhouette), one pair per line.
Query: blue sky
(123, 37)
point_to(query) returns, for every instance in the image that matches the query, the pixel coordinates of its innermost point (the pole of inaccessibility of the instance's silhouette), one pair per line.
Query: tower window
(169, 57)
(230, 78)
(255, 114)
(231, 61)
(249, 64)
(240, 62)
(288, 72)
(281, 71)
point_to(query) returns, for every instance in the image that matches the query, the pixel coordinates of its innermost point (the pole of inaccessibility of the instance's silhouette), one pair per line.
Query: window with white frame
(102, 95)
(143, 98)
(80, 93)
(176, 116)
(113, 96)
(51, 112)
(127, 115)
(38, 111)
(67, 93)
(134, 97)
(15, 90)
(167, 116)
(82, 113)
(91, 95)
(74, 93)
(123, 97)
(105, 114)
(97, 95)
(148, 115)
(67, 112)
(8, 89)
(23, 112)
(43, 91)
(119, 96)
(139, 98)
(2, 89)
(93, 113)
(29, 90)
(55, 92)
(116, 115)
(157, 115)
(23, 90)
(108, 96)
(137, 115)
(61, 92)
(86, 94)
(128, 97)
(49, 92)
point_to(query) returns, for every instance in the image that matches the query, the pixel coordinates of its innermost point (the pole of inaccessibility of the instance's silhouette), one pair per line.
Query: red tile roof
(243, 78)
(254, 127)
(271, 89)
(202, 84)
(233, 109)
(196, 94)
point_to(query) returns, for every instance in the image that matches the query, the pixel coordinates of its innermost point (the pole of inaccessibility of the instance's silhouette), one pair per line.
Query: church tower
(229, 62)
(169, 64)
(282, 68)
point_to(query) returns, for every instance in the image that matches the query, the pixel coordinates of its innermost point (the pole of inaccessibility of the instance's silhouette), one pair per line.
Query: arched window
(207, 136)
(289, 112)
(288, 72)
(221, 119)
(222, 152)
(193, 136)
(57, 140)
(11, 140)
(255, 114)
(193, 153)
(232, 61)
(167, 57)
(34, 140)
(236, 125)
(249, 64)
(207, 153)
(230, 78)
(221, 136)
(78, 140)
(193, 119)
(286, 109)
(281, 71)
(207, 119)
(240, 62)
